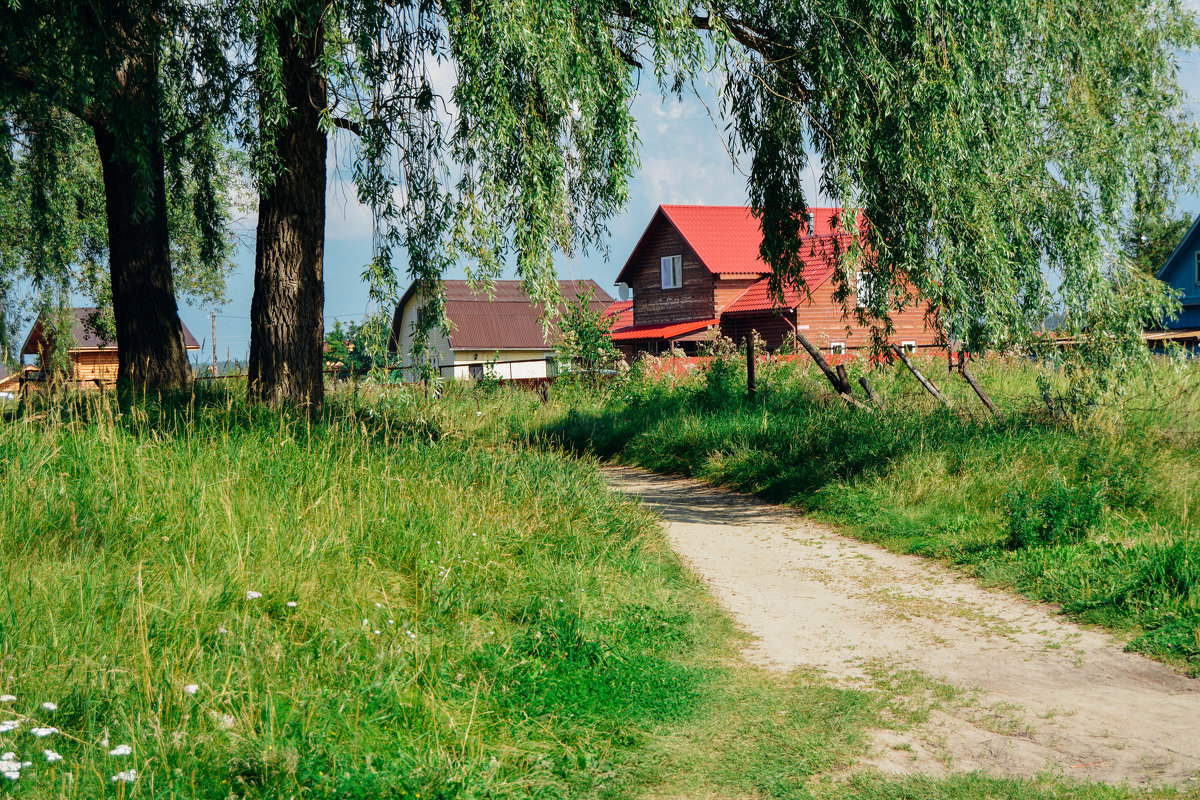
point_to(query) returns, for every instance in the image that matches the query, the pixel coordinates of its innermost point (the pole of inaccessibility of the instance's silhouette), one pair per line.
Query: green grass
(1096, 517)
(474, 617)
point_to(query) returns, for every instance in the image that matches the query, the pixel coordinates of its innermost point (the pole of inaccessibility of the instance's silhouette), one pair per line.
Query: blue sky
(683, 160)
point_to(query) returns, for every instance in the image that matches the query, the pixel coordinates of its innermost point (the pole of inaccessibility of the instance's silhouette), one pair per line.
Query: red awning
(669, 331)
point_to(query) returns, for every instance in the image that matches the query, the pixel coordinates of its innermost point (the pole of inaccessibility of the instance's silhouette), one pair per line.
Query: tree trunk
(150, 352)
(287, 313)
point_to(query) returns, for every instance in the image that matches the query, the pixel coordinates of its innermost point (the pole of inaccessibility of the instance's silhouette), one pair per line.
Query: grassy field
(398, 600)
(1096, 516)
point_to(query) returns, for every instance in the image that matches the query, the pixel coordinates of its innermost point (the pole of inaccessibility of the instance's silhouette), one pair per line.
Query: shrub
(1061, 515)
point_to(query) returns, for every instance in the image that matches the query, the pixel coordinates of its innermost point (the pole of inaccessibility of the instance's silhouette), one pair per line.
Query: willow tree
(150, 82)
(524, 150)
(990, 150)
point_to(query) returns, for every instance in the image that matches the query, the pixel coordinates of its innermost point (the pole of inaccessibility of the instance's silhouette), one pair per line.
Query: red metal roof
(622, 313)
(820, 258)
(726, 239)
(668, 331)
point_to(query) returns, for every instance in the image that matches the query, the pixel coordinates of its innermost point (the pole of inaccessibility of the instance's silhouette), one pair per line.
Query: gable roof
(726, 239)
(86, 337)
(506, 321)
(1166, 264)
(820, 259)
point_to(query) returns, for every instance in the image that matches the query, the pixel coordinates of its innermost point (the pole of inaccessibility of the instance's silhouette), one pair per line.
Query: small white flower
(291, 604)
(376, 631)
(9, 725)
(391, 622)
(7, 698)
(379, 605)
(121, 750)
(49, 707)
(104, 742)
(12, 775)
(125, 776)
(42, 733)
(222, 630)
(192, 688)
(253, 595)
(51, 756)
(9, 756)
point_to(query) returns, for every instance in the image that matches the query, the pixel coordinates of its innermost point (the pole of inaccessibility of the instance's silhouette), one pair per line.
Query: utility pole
(214, 341)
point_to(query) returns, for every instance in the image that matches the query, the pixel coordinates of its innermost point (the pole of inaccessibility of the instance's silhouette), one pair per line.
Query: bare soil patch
(1009, 687)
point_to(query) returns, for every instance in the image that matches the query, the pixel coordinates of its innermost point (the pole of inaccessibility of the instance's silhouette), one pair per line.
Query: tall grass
(436, 619)
(1096, 516)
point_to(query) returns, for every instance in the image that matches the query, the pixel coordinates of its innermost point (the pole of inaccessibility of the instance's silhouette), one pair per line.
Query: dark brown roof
(507, 321)
(86, 338)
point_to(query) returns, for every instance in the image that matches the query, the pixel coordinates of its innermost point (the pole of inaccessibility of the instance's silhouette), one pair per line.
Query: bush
(1062, 515)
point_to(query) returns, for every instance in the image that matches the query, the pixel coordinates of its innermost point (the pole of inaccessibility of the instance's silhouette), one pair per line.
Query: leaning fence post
(928, 384)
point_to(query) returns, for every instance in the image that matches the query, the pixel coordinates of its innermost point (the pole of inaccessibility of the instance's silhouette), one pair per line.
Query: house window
(908, 347)
(672, 272)
(863, 291)
(1198, 268)
(837, 348)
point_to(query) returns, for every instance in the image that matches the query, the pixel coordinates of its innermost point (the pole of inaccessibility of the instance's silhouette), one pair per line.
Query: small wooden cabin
(93, 356)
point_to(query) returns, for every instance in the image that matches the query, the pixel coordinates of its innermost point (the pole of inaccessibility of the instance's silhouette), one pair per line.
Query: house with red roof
(699, 267)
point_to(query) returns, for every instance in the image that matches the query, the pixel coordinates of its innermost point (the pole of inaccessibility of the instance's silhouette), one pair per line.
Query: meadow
(403, 598)
(1094, 514)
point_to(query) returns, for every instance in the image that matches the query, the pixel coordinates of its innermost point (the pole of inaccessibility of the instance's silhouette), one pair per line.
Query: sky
(683, 160)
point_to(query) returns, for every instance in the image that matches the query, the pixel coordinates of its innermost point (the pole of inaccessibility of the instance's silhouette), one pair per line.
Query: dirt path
(1035, 692)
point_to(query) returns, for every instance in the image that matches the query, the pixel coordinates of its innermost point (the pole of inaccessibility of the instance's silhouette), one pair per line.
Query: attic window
(837, 348)
(1198, 268)
(863, 290)
(672, 272)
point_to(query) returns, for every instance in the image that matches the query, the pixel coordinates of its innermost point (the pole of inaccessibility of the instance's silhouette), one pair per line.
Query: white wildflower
(253, 595)
(291, 604)
(9, 756)
(104, 742)
(51, 756)
(12, 775)
(7, 698)
(125, 776)
(9, 725)
(49, 707)
(192, 688)
(121, 750)
(42, 733)
(376, 631)
(222, 630)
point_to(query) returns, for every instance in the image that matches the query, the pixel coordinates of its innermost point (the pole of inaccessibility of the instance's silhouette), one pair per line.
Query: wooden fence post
(965, 371)
(750, 387)
(874, 398)
(928, 384)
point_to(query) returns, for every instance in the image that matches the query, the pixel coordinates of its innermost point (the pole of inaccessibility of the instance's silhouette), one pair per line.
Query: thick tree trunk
(287, 314)
(150, 352)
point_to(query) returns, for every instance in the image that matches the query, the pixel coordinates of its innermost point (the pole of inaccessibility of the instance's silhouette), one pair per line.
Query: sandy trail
(1037, 693)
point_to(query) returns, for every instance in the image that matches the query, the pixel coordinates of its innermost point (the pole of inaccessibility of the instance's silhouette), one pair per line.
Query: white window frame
(837, 348)
(671, 271)
(862, 292)
(908, 347)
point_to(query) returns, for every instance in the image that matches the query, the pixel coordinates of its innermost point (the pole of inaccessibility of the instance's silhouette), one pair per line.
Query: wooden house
(500, 335)
(1182, 272)
(699, 267)
(93, 357)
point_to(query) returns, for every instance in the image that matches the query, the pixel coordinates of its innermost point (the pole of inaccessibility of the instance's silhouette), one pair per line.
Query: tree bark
(287, 313)
(150, 352)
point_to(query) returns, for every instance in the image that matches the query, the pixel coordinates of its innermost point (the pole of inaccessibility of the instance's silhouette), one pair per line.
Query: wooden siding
(772, 327)
(652, 304)
(727, 288)
(89, 366)
(826, 323)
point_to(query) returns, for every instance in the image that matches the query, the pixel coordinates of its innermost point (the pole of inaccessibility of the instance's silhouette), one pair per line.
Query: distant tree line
(981, 146)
